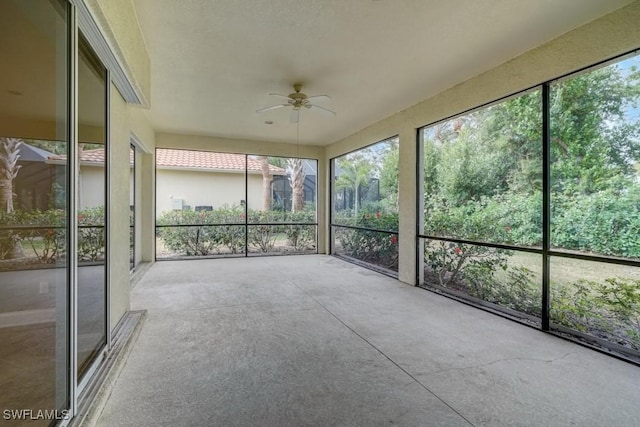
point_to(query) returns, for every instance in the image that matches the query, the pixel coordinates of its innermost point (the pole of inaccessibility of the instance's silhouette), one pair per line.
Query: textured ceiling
(214, 61)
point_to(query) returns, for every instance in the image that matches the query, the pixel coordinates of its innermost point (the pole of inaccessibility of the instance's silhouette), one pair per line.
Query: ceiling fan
(298, 100)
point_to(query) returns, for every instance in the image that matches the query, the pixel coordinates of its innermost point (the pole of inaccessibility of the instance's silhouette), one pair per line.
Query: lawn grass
(568, 270)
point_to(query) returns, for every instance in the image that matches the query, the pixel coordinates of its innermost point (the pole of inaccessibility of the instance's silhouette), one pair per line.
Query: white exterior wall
(91, 188)
(202, 188)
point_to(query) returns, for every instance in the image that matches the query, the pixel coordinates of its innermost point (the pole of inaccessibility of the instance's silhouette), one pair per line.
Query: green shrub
(91, 234)
(194, 239)
(606, 222)
(609, 310)
(48, 244)
(510, 218)
(464, 267)
(301, 237)
(375, 247)
(203, 237)
(473, 269)
(8, 237)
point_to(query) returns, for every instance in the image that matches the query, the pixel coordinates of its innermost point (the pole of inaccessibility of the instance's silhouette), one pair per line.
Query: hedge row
(201, 233)
(44, 232)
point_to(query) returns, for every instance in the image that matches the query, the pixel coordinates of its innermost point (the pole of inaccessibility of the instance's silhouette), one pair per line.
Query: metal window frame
(72, 218)
(546, 251)
(246, 224)
(332, 212)
(132, 228)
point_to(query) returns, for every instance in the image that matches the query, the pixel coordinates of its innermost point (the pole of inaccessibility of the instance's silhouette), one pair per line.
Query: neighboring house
(91, 182)
(34, 176)
(197, 180)
(188, 179)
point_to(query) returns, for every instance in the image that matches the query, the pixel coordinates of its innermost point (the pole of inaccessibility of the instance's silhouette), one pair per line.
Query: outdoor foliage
(609, 310)
(222, 230)
(483, 182)
(366, 198)
(488, 164)
(483, 273)
(479, 271)
(301, 237)
(376, 247)
(44, 233)
(91, 234)
(200, 238)
(8, 236)
(606, 222)
(49, 242)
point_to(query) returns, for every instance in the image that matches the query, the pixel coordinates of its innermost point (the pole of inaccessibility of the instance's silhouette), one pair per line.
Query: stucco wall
(143, 136)
(201, 188)
(91, 188)
(127, 122)
(118, 207)
(601, 39)
(118, 20)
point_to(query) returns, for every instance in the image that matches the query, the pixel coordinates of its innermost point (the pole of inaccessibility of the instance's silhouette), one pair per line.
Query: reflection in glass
(33, 206)
(483, 174)
(510, 279)
(92, 155)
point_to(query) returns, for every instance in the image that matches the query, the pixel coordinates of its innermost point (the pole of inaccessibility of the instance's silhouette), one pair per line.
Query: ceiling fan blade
(273, 107)
(279, 96)
(295, 115)
(319, 98)
(322, 109)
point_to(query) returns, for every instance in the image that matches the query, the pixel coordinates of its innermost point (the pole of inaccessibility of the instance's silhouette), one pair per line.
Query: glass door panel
(34, 274)
(91, 202)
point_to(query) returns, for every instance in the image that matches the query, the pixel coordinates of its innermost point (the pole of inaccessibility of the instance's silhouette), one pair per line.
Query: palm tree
(9, 156)
(296, 180)
(354, 174)
(266, 182)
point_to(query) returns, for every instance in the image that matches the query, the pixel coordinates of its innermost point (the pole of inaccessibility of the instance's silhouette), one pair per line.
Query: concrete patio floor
(315, 341)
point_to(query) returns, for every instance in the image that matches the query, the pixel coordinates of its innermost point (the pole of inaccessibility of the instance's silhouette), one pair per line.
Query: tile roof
(188, 159)
(208, 160)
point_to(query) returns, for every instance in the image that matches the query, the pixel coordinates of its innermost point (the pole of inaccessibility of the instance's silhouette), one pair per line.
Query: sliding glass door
(92, 155)
(34, 210)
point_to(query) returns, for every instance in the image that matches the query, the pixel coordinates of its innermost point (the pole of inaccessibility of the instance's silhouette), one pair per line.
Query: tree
(592, 139)
(266, 182)
(9, 156)
(389, 175)
(296, 180)
(9, 168)
(353, 174)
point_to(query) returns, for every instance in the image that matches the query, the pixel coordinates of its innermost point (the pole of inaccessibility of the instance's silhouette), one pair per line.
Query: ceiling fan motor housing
(298, 99)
